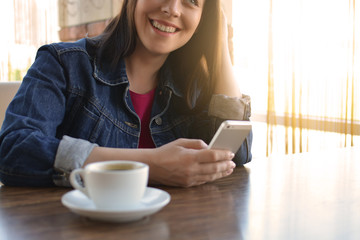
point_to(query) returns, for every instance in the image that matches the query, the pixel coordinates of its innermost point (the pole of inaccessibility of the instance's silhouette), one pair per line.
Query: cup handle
(74, 180)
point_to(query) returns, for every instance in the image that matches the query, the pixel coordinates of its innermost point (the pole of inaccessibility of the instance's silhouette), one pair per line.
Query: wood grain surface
(303, 196)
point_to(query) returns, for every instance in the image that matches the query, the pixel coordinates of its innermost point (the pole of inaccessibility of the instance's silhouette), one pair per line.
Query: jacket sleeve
(71, 154)
(28, 141)
(221, 108)
(225, 108)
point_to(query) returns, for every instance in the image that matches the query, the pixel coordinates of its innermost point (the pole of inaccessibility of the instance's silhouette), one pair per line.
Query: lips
(162, 27)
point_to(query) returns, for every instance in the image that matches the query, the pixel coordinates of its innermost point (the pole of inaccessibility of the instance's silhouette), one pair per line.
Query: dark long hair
(197, 62)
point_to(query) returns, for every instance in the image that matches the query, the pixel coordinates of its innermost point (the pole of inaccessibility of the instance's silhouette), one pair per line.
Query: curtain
(26, 24)
(300, 62)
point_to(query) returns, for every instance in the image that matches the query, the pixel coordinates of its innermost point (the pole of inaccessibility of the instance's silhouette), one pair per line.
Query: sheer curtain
(300, 61)
(26, 25)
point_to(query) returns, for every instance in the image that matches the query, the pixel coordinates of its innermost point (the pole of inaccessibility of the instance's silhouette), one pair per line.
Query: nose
(171, 8)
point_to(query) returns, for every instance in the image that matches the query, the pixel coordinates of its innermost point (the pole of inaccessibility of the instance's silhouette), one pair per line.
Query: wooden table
(303, 196)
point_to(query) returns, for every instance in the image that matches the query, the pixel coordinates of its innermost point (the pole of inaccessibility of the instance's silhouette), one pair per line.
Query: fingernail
(231, 155)
(233, 165)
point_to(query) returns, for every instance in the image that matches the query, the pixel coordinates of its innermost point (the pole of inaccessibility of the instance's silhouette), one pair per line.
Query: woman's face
(166, 25)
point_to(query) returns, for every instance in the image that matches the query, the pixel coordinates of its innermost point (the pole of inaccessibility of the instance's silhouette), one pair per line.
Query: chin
(161, 51)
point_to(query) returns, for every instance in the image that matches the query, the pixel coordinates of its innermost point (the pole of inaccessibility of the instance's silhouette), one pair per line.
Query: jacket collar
(110, 76)
(169, 81)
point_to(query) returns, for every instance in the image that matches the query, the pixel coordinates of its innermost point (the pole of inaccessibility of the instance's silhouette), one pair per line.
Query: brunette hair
(197, 62)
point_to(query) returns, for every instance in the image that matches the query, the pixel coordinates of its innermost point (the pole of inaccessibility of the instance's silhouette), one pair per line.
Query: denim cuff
(71, 154)
(230, 108)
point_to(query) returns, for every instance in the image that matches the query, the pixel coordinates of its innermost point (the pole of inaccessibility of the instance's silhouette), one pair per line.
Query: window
(28, 25)
(300, 62)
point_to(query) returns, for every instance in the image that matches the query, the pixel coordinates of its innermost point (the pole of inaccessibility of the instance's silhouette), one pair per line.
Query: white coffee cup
(112, 185)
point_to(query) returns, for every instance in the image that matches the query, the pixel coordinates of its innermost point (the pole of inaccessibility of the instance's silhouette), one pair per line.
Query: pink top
(142, 104)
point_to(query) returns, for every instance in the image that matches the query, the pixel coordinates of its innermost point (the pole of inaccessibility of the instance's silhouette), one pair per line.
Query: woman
(155, 82)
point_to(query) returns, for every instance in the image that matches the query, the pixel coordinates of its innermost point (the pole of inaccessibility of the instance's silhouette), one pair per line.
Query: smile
(163, 28)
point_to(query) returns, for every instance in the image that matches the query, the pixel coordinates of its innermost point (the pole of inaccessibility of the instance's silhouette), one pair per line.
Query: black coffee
(120, 167)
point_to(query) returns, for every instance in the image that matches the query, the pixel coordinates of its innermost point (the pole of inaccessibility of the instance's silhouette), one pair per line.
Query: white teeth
(163, 28)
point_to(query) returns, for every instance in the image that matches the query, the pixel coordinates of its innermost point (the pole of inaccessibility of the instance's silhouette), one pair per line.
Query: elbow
(18, 167)
(244, 154)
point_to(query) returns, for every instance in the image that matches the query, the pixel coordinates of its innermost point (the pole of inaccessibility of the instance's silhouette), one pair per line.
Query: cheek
(136, 17)
(194, 22)
(140, 21)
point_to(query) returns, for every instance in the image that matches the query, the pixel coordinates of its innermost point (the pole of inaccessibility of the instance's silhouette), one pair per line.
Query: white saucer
(154, 199)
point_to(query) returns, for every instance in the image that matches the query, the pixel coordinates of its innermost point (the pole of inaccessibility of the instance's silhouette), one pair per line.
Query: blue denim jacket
(67, 104)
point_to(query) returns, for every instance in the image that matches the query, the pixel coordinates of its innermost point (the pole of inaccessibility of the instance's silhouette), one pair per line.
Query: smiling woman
(83, 102)
(159, 38)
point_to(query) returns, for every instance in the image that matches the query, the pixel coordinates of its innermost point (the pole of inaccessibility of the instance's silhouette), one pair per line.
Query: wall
(80, 18)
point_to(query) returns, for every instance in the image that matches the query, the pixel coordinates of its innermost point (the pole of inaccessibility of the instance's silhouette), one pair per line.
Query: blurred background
(299, 60)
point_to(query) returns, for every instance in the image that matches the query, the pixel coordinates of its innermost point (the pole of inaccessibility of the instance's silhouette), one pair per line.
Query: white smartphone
(230, 135)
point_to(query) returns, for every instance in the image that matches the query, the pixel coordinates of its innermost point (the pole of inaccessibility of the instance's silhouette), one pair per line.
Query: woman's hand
(187, 162)
(184, 162)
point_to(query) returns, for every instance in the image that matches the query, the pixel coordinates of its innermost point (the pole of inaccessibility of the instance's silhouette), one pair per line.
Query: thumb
(191, 143)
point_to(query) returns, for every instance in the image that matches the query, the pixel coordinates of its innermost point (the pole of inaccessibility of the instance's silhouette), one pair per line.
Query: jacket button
(132, 125)
(158, 121)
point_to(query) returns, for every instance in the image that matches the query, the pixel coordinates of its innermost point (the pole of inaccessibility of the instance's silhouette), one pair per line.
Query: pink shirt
(142, 104)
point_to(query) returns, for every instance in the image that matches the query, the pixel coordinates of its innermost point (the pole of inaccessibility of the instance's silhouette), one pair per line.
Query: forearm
(106, 154)
(25, 158)
(227, 84)
(140, 155)
(183, 162)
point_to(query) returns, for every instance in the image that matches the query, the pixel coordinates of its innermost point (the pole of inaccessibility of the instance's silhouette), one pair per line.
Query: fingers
(212, 177)
(191, 143)
(188, 162)
(213, 168)
(202, 179)
(195, 173)
(214, 155)
(212, 165)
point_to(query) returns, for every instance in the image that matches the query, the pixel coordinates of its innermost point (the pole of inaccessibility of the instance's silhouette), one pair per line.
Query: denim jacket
(67, 104)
